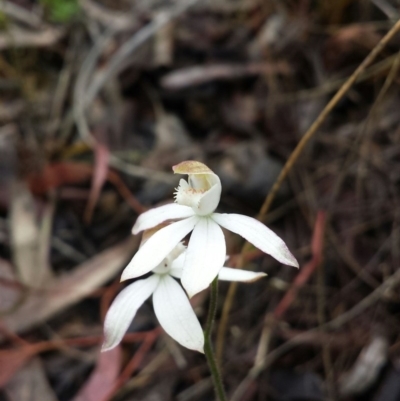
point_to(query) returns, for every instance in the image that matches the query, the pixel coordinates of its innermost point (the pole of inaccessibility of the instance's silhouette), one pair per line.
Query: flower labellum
(202, 192)
(196, 202)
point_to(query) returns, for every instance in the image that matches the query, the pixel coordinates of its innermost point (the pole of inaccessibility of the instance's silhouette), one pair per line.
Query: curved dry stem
(290, 163)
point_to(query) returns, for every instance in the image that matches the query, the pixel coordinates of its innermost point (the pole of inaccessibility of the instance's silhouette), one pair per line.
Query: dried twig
(386, 287)
(305, 273)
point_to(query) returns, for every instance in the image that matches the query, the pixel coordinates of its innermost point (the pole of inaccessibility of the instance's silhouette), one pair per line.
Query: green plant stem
(208, 350)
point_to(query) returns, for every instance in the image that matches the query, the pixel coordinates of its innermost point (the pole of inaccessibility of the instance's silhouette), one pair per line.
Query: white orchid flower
(196, 201)
(170, 302)
(171, 306)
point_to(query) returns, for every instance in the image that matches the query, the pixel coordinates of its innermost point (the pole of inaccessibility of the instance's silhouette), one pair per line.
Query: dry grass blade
(85, 91)
(325, 112)
(292, 160)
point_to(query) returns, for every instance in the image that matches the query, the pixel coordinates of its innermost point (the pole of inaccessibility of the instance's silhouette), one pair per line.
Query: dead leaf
(30, 383)
(102, 379)
(29, 257)
(366, 369)
(67, 290)
(58, 174)
(198, 75)
(11, 361)
(66, 173)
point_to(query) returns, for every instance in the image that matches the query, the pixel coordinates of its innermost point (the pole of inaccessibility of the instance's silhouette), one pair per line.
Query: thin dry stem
(290, 163)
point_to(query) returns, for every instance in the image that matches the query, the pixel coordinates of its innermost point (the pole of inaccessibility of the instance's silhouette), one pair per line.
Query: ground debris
(99, 98)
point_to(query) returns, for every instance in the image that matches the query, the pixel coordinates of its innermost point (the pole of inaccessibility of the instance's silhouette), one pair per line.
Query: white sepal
(205, 256)
(257, 234)
(176, 315)
(230, 274)
(124, 308)
(156, 216)
(157, 247)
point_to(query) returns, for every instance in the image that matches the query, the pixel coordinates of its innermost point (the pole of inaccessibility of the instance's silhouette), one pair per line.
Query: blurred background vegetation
(99, 98)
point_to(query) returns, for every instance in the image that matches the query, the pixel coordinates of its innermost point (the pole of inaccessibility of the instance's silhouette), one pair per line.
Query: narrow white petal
(229, 274)
(176, 315)
(154, 217)
(157, 247)
(205, 256)
(124, 308)
(258, 234)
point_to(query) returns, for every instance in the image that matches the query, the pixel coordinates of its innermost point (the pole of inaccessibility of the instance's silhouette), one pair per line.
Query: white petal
(176, 315)
(154, 217)
(258, 234)
(176, 272)
(124, 308)
(210, 200)
(177, 266)
(157, 247)
(179, 261)
(205, 256)
(229, 274)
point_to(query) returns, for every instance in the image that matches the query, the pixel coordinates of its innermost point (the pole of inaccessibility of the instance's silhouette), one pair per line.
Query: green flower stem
(208, 350)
